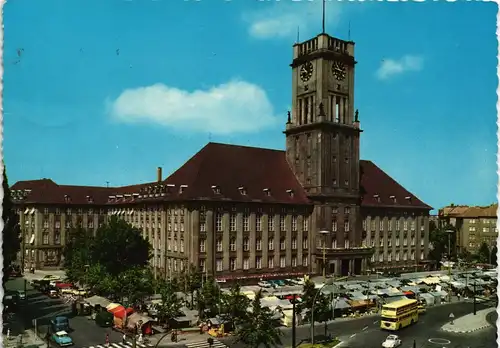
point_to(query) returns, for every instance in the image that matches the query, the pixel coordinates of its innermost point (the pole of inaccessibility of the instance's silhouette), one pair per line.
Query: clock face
(306, 71)
(339, 70)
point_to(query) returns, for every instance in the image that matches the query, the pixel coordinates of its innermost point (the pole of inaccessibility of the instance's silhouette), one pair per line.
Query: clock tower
(322, 146)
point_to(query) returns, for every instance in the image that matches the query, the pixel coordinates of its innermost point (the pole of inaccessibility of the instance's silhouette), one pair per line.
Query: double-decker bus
(399, 314)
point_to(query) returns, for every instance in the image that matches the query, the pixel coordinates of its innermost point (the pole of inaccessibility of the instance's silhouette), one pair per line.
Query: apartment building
(475, 225)
(242, 212)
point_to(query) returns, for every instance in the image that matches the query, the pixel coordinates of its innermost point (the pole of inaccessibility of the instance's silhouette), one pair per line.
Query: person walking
(107, 340)
(124, 338)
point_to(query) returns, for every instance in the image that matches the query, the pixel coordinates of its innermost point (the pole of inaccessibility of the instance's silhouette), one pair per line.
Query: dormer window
(127, 195)
(408, 199)
(393, 198)
(267, 192)
(182, 188)
(90, 199)
(243, 190)
(119, 196)
(377, 198)
(290, 193)
(67, 198)
(216, 189)
(170, 187)
(111, 198)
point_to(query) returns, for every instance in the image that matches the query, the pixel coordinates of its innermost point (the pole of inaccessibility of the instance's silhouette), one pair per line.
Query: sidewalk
(21, 337)
(470, 322)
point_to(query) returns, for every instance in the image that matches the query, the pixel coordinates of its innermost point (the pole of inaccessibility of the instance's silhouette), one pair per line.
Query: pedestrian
(8, 333)
(124, 338)
(140, 338)
(458, 295)
(107, 340)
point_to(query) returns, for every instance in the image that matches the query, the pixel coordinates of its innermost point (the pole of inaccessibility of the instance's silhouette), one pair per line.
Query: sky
(106, 91)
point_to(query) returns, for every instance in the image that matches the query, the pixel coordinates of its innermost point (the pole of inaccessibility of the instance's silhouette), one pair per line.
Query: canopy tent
(341, 304)
(98, 301)
(135, 318)
(112, 305)
(64, 285)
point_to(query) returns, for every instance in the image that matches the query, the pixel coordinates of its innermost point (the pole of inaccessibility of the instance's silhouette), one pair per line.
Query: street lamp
(329, 282)
(449, 260)
(324, 232)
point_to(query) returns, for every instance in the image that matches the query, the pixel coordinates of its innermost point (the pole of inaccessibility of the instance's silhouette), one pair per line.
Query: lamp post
(324, 232)
(449, 260)
(329, 282)
(294, 301)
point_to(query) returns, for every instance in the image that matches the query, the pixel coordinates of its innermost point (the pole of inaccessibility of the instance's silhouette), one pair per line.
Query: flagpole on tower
(324, 4)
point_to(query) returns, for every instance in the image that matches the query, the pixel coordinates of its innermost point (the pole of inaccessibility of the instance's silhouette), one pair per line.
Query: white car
(392, 341)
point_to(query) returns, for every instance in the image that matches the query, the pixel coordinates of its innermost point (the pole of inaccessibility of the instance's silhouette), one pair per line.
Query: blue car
(62, 339)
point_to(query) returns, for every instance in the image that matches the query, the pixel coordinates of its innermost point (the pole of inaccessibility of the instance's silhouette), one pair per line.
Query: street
(366, 333)
(38, 306)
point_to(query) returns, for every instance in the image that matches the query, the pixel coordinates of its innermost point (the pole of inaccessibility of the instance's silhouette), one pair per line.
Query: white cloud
(234, 107)
(282, 20)
(392, 67)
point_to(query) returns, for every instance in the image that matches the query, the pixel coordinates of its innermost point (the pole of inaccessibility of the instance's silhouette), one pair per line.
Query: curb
(467, 331)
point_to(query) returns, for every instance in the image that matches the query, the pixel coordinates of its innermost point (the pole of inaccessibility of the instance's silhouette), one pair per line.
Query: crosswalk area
(121, 345)
(204, 344)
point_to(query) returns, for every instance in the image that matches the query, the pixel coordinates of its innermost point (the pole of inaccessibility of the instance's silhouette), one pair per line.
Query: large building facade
(474, 225)
(241, 212)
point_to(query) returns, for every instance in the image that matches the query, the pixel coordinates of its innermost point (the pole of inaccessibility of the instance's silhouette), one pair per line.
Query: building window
(381, 225)
(45, 224)
(346, 244)
(282, 223)
(91, 224)
(405, 256)
(246, 244)
(270, 244)
(485, 229)
(334, 225)
(412, 255)
(294, 261)
(372, 225)
(389, 241)
(305, 224)
(347, 210)
(304, 260)
(175, 245)
(405, 225)
(57, 237)
(305, 243)
(282, 262)
(346, 226)
(45, 238)
(397, 242)
(364, 225)
(258, 262)
(270, 223)
(258, 222)
(381, 257)
(246, 263)
(334, 243)
(282, 244)
(232, 264)
(182, 245)
(397, 225)
(246, 223)
(413, 241)
(294, 243)
(258, 244)
(218, 222)
(390, 225)
(203, 265)
(405, 242)
(232, 222)
(232, 244)
(294, 223)
(45, 211)
(389, 257)
(413, 225)
(219, 245)
(397, 256)
(203, 221)
(270, 262)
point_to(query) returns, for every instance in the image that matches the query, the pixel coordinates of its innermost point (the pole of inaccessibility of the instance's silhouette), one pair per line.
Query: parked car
(21, 294)
(392, 341)
(62, 339)
(59, 324)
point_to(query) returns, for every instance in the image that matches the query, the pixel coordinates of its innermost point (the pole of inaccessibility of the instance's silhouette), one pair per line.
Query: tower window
(346, 182)
(334, 181)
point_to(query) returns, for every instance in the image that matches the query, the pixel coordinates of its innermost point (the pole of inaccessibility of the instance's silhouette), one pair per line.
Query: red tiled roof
(226, 167)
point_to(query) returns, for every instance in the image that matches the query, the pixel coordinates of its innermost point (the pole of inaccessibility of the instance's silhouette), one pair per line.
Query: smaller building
(475, 225)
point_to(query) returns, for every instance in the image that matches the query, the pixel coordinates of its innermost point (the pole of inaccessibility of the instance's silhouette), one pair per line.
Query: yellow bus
(399, 314)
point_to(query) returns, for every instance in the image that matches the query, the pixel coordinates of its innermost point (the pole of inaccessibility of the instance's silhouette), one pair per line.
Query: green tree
(307, 303)
(135, 284)
(11, 234)
(208, 299)
(235, 306)
(119, 247)
(438, 238)
(171, 304)
(261, 330)
(483, 254)
(323, 310)
(77, 254)
(191, 280)
(494, 251)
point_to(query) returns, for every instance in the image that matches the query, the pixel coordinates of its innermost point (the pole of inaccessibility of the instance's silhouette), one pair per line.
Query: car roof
(392, 336)
(61, 333)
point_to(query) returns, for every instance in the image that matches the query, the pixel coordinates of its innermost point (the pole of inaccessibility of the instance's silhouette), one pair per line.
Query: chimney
(158, 174)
